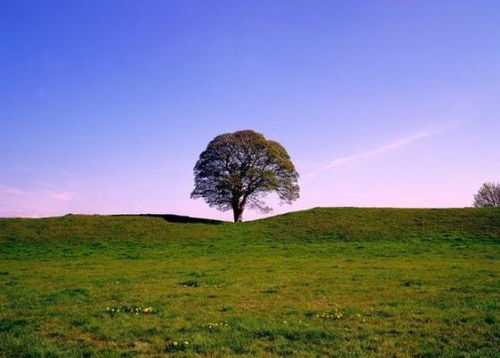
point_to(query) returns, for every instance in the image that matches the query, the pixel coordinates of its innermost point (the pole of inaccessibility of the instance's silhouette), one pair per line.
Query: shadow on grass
(177, 218)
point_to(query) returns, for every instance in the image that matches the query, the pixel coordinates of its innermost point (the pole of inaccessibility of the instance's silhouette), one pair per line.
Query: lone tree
(488, 196)
(238, 170)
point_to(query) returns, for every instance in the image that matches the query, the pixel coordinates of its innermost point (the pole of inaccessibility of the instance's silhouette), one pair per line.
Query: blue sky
(106, 105)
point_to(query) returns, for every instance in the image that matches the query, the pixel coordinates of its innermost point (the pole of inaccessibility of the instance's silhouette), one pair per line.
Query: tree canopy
(238, 169)
(488, 195)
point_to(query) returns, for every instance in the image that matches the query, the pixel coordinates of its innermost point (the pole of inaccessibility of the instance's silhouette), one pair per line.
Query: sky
(105, 105)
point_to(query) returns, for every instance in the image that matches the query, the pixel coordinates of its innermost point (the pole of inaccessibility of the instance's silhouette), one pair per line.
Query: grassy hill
(320, 282)
(319, 223)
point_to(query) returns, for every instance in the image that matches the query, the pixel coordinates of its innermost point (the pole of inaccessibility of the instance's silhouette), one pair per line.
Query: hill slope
(326, 282)
(318, 223)
(385, 223)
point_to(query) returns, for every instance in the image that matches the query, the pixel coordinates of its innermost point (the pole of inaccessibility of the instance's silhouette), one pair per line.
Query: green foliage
(324, 282)
(238, 169)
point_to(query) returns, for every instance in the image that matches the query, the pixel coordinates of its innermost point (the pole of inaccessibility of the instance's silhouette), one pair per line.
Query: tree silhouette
(238, 169)
(488, 196)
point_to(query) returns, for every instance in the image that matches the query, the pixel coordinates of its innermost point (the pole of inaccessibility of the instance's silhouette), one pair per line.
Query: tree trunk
(238, 214)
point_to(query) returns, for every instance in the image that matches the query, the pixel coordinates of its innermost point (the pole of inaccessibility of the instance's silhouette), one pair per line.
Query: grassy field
(319, 283)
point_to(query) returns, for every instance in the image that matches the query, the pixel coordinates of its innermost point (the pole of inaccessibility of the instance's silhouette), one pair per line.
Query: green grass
(324, 282)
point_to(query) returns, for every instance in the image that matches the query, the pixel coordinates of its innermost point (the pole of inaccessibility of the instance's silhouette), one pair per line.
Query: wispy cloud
(372, 152)
(34, 201)
(7, 190)
(61, 195)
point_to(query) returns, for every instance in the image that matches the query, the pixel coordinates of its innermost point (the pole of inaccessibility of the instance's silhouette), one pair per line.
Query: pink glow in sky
(105, 108)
